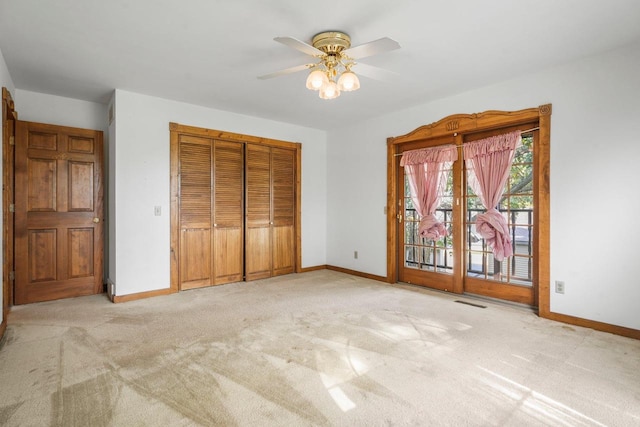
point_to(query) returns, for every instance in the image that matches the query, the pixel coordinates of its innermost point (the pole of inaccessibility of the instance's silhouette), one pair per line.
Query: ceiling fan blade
(286, 71)
(375, 47)
(375, 72)
(299, 45)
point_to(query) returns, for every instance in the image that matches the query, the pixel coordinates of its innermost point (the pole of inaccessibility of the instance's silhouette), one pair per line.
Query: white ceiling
(209, 52)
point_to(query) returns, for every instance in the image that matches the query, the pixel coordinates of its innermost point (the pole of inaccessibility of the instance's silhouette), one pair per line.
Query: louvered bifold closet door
(228, 212)
(283, 200)
(258, 212)
(196, 183)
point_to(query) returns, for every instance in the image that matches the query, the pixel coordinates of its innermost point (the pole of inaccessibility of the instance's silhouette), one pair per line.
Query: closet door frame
(175, 130)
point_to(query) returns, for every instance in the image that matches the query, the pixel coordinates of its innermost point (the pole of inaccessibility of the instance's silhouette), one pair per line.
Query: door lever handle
(399, 216)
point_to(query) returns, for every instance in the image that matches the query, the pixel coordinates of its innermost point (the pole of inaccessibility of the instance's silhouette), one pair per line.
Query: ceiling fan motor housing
(331, 42)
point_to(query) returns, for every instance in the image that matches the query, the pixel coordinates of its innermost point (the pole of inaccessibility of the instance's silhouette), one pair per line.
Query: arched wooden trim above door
(456, 126)
(177, 129)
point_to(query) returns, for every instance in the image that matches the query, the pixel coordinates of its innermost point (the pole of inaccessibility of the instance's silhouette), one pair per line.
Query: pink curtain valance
(493, 144)
(445, 153)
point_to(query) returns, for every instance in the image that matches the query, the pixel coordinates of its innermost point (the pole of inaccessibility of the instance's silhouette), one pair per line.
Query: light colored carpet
(320, 348)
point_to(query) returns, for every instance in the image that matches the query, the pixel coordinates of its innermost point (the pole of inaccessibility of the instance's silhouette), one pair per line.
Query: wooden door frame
(8, 137)
(176, 129)
(457, 125)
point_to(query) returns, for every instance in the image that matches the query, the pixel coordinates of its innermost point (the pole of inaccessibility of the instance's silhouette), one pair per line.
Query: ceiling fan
(331, 73)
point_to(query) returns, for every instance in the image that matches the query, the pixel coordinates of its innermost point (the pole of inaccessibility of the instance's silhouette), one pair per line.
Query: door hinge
(12, 275)
(12, 140)
(12, 207)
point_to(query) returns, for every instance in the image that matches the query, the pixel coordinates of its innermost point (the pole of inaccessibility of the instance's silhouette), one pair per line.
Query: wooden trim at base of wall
(593, 324)
(142, 295)
(357, 273)
(314, 268)
(3, 327)
(344, 270)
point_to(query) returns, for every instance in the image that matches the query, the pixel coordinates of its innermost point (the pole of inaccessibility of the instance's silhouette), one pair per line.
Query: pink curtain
(490, 161)
(426, 170)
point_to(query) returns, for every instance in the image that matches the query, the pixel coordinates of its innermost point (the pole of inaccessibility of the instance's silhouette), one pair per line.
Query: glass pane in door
(428, 254)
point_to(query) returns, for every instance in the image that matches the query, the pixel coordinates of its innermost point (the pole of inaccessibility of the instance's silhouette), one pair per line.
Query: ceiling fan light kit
(333, 74)
(333, 63)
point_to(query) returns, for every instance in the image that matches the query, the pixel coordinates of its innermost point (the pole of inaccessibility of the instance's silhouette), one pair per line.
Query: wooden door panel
(283, 250)
(80, 243)
(80, 186)
(228, 249)
(43, 255)
(284, 189)
(42, 179)
(59, 212)
(43, 141)
(229, 184)
(519, 294)
(195, 185)
(258, 186)
(196, 258)
(81, 145)
(258, 253)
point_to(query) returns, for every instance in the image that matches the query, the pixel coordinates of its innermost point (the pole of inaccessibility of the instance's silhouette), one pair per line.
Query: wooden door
(211, 175)
(195, 211)
(270, 218)
(258, 253)
(283, 238)
(228, 224)
(513, 279)
(59, 212)
(422, 261)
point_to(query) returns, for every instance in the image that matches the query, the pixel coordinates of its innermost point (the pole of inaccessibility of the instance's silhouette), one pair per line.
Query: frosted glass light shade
(348, 81)
(329, 91)
(316, 80)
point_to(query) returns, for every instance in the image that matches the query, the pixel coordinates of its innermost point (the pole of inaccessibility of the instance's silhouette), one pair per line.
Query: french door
(462, 261)
(423, 261)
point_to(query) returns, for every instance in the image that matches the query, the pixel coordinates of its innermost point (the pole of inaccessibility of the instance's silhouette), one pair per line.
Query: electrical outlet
(559, 287)
(355, 254)
(157, 210)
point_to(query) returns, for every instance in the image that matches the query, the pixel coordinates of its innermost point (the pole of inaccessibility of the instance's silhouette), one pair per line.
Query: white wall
(57, 110)
(595, 148)
(5, 81)
(141, 161)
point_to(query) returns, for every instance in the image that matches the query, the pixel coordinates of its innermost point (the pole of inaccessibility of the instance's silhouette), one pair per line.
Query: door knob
(399, 216)
(96, 220)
